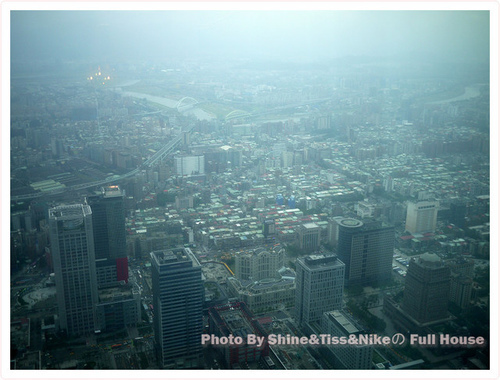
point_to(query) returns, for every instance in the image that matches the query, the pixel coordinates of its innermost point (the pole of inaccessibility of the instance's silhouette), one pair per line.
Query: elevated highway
(239, 114)
(151, 161)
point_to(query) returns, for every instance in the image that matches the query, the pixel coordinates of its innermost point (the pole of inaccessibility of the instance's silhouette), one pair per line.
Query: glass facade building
(108, 219)
(427, 289)
(178, 308)
(74, 267)
(366, 248)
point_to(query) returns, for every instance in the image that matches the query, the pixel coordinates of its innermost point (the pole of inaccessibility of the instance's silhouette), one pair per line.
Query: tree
(354, 290)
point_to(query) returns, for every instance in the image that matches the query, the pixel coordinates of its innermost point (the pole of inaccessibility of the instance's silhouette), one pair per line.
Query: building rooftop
(115, 293)
(112, 191)
(263, 286)
(178, 255)
(69, 211)
(430, 257)
(316, 261)
(310, 226)
(235, 318)
(343, 321)
(20, 332)
(236, 323)
(350, 223)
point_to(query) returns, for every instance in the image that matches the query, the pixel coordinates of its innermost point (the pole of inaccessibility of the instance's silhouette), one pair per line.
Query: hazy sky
(304, 35)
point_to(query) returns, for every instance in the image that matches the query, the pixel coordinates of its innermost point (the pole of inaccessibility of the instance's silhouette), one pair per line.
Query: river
(470, 92)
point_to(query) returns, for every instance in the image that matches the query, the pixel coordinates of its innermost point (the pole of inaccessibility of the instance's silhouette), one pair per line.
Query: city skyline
(251, 169)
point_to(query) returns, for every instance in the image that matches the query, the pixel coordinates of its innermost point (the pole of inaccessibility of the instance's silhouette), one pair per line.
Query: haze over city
(309, 35)
(217, 188)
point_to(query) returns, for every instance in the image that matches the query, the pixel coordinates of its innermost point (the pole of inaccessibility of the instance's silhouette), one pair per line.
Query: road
(166, 150)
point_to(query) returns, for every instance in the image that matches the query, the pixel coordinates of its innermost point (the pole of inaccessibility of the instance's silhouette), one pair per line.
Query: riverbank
(198, 113)
(470, 92)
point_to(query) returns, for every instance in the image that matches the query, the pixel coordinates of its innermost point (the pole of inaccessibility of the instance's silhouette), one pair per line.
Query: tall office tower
(462, 270)
(366, 249)
(339, 323)
(186, 138)
(269, 227)
(319, 287)
(188, 165)
(333, 230)
(178, 308)
(260, 263)
(460, 290)
(458, 211)
(421, 216)
(427, 288)
(108, 219)
(286, 159)
(309, 237)
(74, 267)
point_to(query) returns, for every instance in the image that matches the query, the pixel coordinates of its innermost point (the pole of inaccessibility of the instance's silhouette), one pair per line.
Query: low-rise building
(260, 263)
(237, 320)
(118, 307)
(265, 294)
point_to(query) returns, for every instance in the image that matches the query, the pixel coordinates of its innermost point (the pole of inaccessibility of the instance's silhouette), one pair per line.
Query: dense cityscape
(222, 214)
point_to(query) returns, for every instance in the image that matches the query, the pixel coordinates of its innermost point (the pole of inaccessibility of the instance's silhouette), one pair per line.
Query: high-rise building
(427, 289)
(339, 323)
(72, 250)
(462, 270)
(460, 290)
(269, 227)
(286, 159)
(280, 199)
(333, 230)
(186, 138)
(309, 237)
(458, 211)
(219, 159)
(189, 165)
(178, 308)
(319, 287)
(421, 216)
(108, 220)
(366, 248)
(388, 184)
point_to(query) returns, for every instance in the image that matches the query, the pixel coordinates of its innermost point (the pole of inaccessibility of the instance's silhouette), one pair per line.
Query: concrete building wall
(421, 217)
(338, 323)
(319, 287)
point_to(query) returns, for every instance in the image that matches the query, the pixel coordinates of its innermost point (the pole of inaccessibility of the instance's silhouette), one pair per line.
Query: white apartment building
(421, 216)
